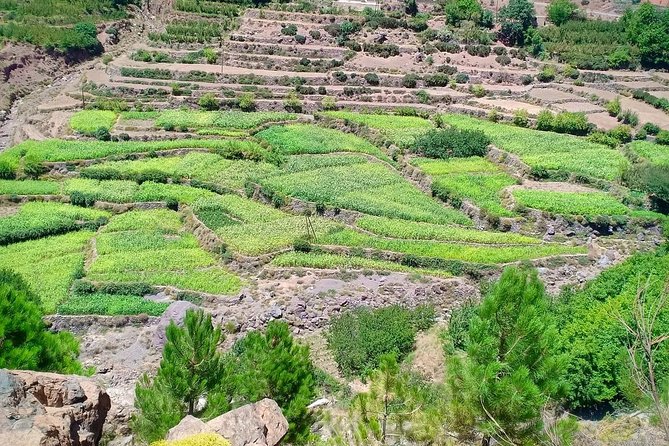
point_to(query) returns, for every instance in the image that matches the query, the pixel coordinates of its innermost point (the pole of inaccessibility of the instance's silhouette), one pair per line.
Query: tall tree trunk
(191, 406)
(485, 441)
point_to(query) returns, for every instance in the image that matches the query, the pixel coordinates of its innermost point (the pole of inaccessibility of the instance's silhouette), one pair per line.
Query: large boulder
(176, 313)
(48, 409)
(258, 424)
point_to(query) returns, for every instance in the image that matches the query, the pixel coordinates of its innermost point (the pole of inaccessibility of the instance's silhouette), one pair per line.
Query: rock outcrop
(258, 424)
(48, 409)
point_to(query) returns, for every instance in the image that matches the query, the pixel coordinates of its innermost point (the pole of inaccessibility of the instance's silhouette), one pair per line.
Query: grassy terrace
(49, 264)
(300, 139)
(474, 179)
(370, 188)
(655, 153)
(450, 251)
(587, 204)
(401, 130)
(548, 151)
(152, 247)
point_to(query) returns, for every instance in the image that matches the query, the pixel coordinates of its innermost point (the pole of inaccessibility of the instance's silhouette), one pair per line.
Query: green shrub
(360, 337)
(299, 38)
(436, 80)
(629, 117)
(410, 80)
(102, 134)
(622, 133)
(613, 107)
(372, 78)
(247, 101)
(662, 137)
(547, 74)
(651, 129)
(451, 142)
(289, 30)
(208, 102)
(521, 118)
(329, 103)
(477, 90)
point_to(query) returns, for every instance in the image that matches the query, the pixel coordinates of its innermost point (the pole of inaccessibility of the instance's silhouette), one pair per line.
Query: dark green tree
(511, 367)
(514, 20)
(411, 7)
(191, 368)
(561, 11)
(648, 28)
(25, 342)
(272, 365)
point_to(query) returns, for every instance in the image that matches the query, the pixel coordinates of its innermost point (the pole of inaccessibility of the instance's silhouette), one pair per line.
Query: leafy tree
(191, 367)
(25, 342)
(515, 19)
(272, 365)
(452, 143)
(648, 28)
(560, 11)
(511, 367)
(458, 10)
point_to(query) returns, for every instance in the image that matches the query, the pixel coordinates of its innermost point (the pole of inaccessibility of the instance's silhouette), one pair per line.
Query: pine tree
(191, 368)
(511, 368)
(25, 342)
(272, 365)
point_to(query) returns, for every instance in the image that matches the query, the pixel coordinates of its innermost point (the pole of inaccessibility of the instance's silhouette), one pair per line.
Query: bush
(451, 142)
(547, 74)
(521, 118)
(662, 137)
(493, 115)
(329, 103)
(573, 123)
(622, 133)
(436, 80)
(360, 337)
(293, 103)
(299, 38)
(208, 102)
(289, 30)
(613, 107)
(382, 49)
(629, 117)
(372, 78)
(503, 60)
(410, 80)
(207, 439)
(651, 129)
(247, 101)
(102, 134)
(340, 76)
(315, 34)
(461, 78)
(526, 79)
(423, 96)
(545, 120)
(477, 90)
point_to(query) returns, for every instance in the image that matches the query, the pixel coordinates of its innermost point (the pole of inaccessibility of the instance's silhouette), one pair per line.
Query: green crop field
(87, 122)
(49, 264)
(450, 251)
(365, 187)
(36, 220)
(300, 139)
(401, 130)
(333, 261)
(473, 179)
(548, 151)
(218, 119)
(655, 153)
(588, 204)
(157, 253)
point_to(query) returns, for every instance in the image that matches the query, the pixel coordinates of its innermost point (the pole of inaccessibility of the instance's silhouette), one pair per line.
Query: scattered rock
(258, 424)
(175, 312)
(187, 427)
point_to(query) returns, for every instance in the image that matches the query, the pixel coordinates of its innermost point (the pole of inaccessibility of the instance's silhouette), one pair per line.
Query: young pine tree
(511, 367)
(272, 365)
(191, 367)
